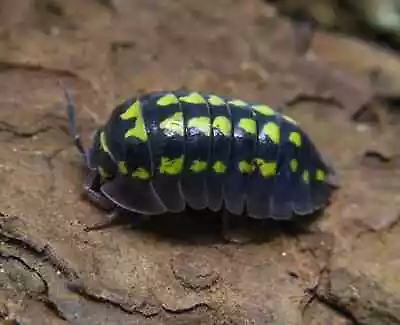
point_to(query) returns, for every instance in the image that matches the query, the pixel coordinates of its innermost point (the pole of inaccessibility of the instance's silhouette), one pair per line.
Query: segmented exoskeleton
(163, 151)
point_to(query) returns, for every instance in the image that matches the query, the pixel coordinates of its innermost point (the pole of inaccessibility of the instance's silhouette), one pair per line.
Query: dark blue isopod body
(164, 151)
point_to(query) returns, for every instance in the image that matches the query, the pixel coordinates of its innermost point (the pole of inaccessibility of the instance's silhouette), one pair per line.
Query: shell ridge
(167, 147)
(281, 200)
(242, 147)
(219, 151)
(195, 114)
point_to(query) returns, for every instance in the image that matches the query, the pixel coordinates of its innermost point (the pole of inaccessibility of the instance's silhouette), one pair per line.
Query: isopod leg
(116, 216)
(95, 196)
(119, 218)
(231, 230)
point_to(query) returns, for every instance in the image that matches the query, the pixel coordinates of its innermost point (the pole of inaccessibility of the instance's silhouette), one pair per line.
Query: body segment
(220, 151)
(243, 146)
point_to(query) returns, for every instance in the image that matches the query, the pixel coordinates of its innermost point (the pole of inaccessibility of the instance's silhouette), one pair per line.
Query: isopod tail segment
(332, 177)
(91, 183)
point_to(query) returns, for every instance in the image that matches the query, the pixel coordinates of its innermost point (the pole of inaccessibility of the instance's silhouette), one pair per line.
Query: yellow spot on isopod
(248, 125)
(122, 167)
(306, 176)
(215, 100)
(222, 124)
(139, 130)
(174, 124)
(293, 165)
(245, 167)
(238, 102)
(167, 99)
(320, 175)
(132, 111)
(263, 109)
(141, 173)
(198, 166)
(295, 138)
(266, 168)
(171, 166)
(219, 167)
(272, 130)
(103, 142)
(193, 98)
(201, 123)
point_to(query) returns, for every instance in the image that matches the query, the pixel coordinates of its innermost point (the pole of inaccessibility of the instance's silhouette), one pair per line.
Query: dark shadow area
(206, 227)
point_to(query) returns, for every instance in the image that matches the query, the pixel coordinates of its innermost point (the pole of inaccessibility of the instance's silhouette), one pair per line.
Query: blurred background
(124, 47)
(376, 20)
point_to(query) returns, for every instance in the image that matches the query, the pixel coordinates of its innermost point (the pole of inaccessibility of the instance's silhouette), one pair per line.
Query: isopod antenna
(71, 112)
